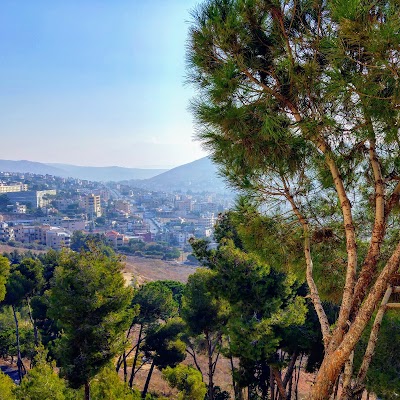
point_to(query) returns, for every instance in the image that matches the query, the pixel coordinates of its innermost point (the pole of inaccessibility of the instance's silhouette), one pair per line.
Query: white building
(58, 238)
(6, 232)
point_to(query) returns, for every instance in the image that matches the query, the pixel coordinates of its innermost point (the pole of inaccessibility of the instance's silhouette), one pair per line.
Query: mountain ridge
(102, 174)
(197, 176)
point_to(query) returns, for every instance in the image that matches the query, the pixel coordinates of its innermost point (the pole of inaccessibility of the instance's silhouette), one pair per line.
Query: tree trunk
(347, 378)
(289, 370)
(272, 383)
(236, 389)
(146, 385)
(210, 368)
(35, 330)
(132, 377)
(87, 391)
(290, 389)
(333, 362)
(20, 364)
(369, 352)
(125, 367)
(279, 384)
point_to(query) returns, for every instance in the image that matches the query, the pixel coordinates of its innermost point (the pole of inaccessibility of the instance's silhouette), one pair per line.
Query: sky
(96, 82)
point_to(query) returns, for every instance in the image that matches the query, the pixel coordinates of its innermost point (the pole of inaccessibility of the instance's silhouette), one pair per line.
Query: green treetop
(89, 302)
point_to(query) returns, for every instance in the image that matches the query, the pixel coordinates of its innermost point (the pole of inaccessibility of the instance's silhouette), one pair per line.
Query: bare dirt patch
(147, 269)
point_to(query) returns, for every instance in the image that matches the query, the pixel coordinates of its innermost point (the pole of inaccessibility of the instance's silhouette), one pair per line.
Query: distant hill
(24, 166)
(107, 173)
(197, 176)
(89, 173)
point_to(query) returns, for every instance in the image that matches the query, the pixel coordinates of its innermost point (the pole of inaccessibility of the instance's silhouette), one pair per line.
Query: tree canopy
(299, 105)
(89, 302)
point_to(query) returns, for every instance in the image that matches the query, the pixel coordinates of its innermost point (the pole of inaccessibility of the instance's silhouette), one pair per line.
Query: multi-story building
(6, 232)
(31, 234)
(20, 208)
(123, 205)
(16, 187)
(36, 198)
(92, 205)
(51, 236)
(58, 238)
(116, 239)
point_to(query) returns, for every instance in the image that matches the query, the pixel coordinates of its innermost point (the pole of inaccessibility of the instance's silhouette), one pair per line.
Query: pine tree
(89, 302)
(299, 105)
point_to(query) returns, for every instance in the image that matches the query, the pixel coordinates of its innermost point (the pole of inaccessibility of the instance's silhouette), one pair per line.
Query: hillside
(197, 176)
(79, 172)
(24, 166)
(107, 173)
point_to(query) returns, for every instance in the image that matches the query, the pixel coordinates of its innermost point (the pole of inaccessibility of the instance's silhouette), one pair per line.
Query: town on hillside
(45, 211)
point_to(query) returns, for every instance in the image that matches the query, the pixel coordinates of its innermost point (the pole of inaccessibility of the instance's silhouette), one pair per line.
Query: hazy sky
(95, 82)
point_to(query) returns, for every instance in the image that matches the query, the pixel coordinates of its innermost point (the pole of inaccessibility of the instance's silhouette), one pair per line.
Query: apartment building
(123, 205)
(6, 232)
(116, 239)
(30, 233)
(92, 205)
(54, 237)
(58, 238)
(36, 198)
(16, 187)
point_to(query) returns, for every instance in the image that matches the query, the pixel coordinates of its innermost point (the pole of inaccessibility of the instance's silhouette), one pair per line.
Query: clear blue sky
(95, 82)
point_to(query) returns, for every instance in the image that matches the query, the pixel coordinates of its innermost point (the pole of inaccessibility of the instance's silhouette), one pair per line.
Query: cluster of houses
(119, 211)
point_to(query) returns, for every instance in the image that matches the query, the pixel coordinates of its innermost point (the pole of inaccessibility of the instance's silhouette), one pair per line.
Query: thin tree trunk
(120, 358)
(289, 370)
(315, 298)
(210, 368)
(378, 232)
(369, 352)
(279, 384)
(351, 249)
(125, 367)
(87, 391)
(290, 390)
(192, 353)
(334, 362)
(132, 377)
(347, 378)
(272, 383)
(20, 364)
(236, 390)
(35, 330)
(298, 377)
(146, 385)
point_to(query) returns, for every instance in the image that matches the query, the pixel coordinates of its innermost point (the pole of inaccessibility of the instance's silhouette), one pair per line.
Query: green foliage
(163, 344)
(201, 310)
(85, 242)
(151, 250)
(4, 271)
(7, 333)
(156, 301)
(383, 374)
(26, 278)
(42, 382)
(107, 385)
(7, 387)
(187, 380)
(89, 303)
(4, 202)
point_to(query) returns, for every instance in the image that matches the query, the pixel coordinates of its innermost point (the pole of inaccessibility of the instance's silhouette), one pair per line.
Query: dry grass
(147, 269)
